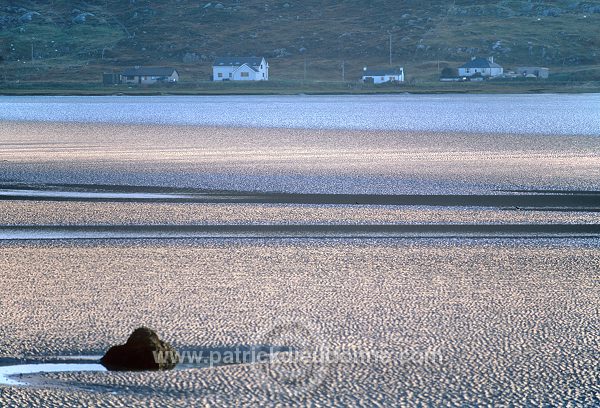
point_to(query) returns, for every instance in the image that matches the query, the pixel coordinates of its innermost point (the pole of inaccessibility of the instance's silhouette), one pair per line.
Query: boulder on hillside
(29, 16)
(190, 57)
(82, 18)
(143, 351)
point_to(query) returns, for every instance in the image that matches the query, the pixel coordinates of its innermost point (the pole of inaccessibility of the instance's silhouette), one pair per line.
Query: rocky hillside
(60, 40)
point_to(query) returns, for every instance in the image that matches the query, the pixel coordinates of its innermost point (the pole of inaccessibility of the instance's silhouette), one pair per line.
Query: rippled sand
(82, 213)
(496, 322)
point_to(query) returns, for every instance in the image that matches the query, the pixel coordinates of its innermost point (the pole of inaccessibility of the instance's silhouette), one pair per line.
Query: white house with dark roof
(241, 69)
(484, 66)
(379, 76)
(149, 75)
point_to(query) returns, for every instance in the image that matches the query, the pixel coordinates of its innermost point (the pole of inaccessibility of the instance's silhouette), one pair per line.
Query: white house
(484, 66)
(241, 69)
(383, 75)
(149, 75)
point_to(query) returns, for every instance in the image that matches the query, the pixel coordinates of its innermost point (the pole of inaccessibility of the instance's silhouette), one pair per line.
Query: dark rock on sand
(143, 351)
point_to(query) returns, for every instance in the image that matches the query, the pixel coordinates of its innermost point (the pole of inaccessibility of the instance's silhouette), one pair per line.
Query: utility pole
(304, 69)
(390, 49)
(341, 37)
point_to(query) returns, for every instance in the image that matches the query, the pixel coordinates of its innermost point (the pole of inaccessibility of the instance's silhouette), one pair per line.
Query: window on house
(468, 70)
(220, 75)
(130, 77)
(230, 75)
(245, 74)
(383, 78)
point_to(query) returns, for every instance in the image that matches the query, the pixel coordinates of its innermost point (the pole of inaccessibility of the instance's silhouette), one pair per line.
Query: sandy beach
(434, 268)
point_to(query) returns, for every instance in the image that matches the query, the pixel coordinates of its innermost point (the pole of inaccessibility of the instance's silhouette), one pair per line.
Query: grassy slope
(324, 33)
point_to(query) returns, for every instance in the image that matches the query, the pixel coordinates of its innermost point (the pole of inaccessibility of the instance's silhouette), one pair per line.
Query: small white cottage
(486, 67)
(380, 76)
(241, 69)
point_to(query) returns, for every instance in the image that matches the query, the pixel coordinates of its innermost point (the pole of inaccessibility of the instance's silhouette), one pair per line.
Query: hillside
(75, 41)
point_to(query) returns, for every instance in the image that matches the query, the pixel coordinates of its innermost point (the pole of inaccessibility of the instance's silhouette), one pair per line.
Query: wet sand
(465, 267)
(565, 200)
(39, 232)
(295, 160)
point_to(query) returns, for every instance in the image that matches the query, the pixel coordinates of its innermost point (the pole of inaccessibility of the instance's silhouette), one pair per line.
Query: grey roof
(382, 72)
(480, 63)
(237, 61)
(149, 71)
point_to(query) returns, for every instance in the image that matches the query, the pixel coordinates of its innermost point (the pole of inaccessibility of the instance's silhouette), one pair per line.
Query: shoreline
(307, 93)
(496, 88)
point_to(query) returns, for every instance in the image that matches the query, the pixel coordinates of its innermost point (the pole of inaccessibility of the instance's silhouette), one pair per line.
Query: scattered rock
(190, 58)
(82, 17)
(27, 17)
(6, 20)
(593, 9)
(281, 52)
(219, 6)
(527, 7)
(143, 351)
(12, 9)
(552, 12)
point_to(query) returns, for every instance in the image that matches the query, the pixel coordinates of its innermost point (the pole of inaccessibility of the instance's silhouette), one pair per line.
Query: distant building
(537, 72)
(111, 78)
(485, 67)
(149, 75)
(452, 79)
(241, 69)
(380, 76)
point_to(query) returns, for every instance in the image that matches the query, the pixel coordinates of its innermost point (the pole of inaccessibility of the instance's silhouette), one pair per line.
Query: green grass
(299, 87)
(427, 36)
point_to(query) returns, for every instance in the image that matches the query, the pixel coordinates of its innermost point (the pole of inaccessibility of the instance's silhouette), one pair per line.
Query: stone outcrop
(143, 351)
